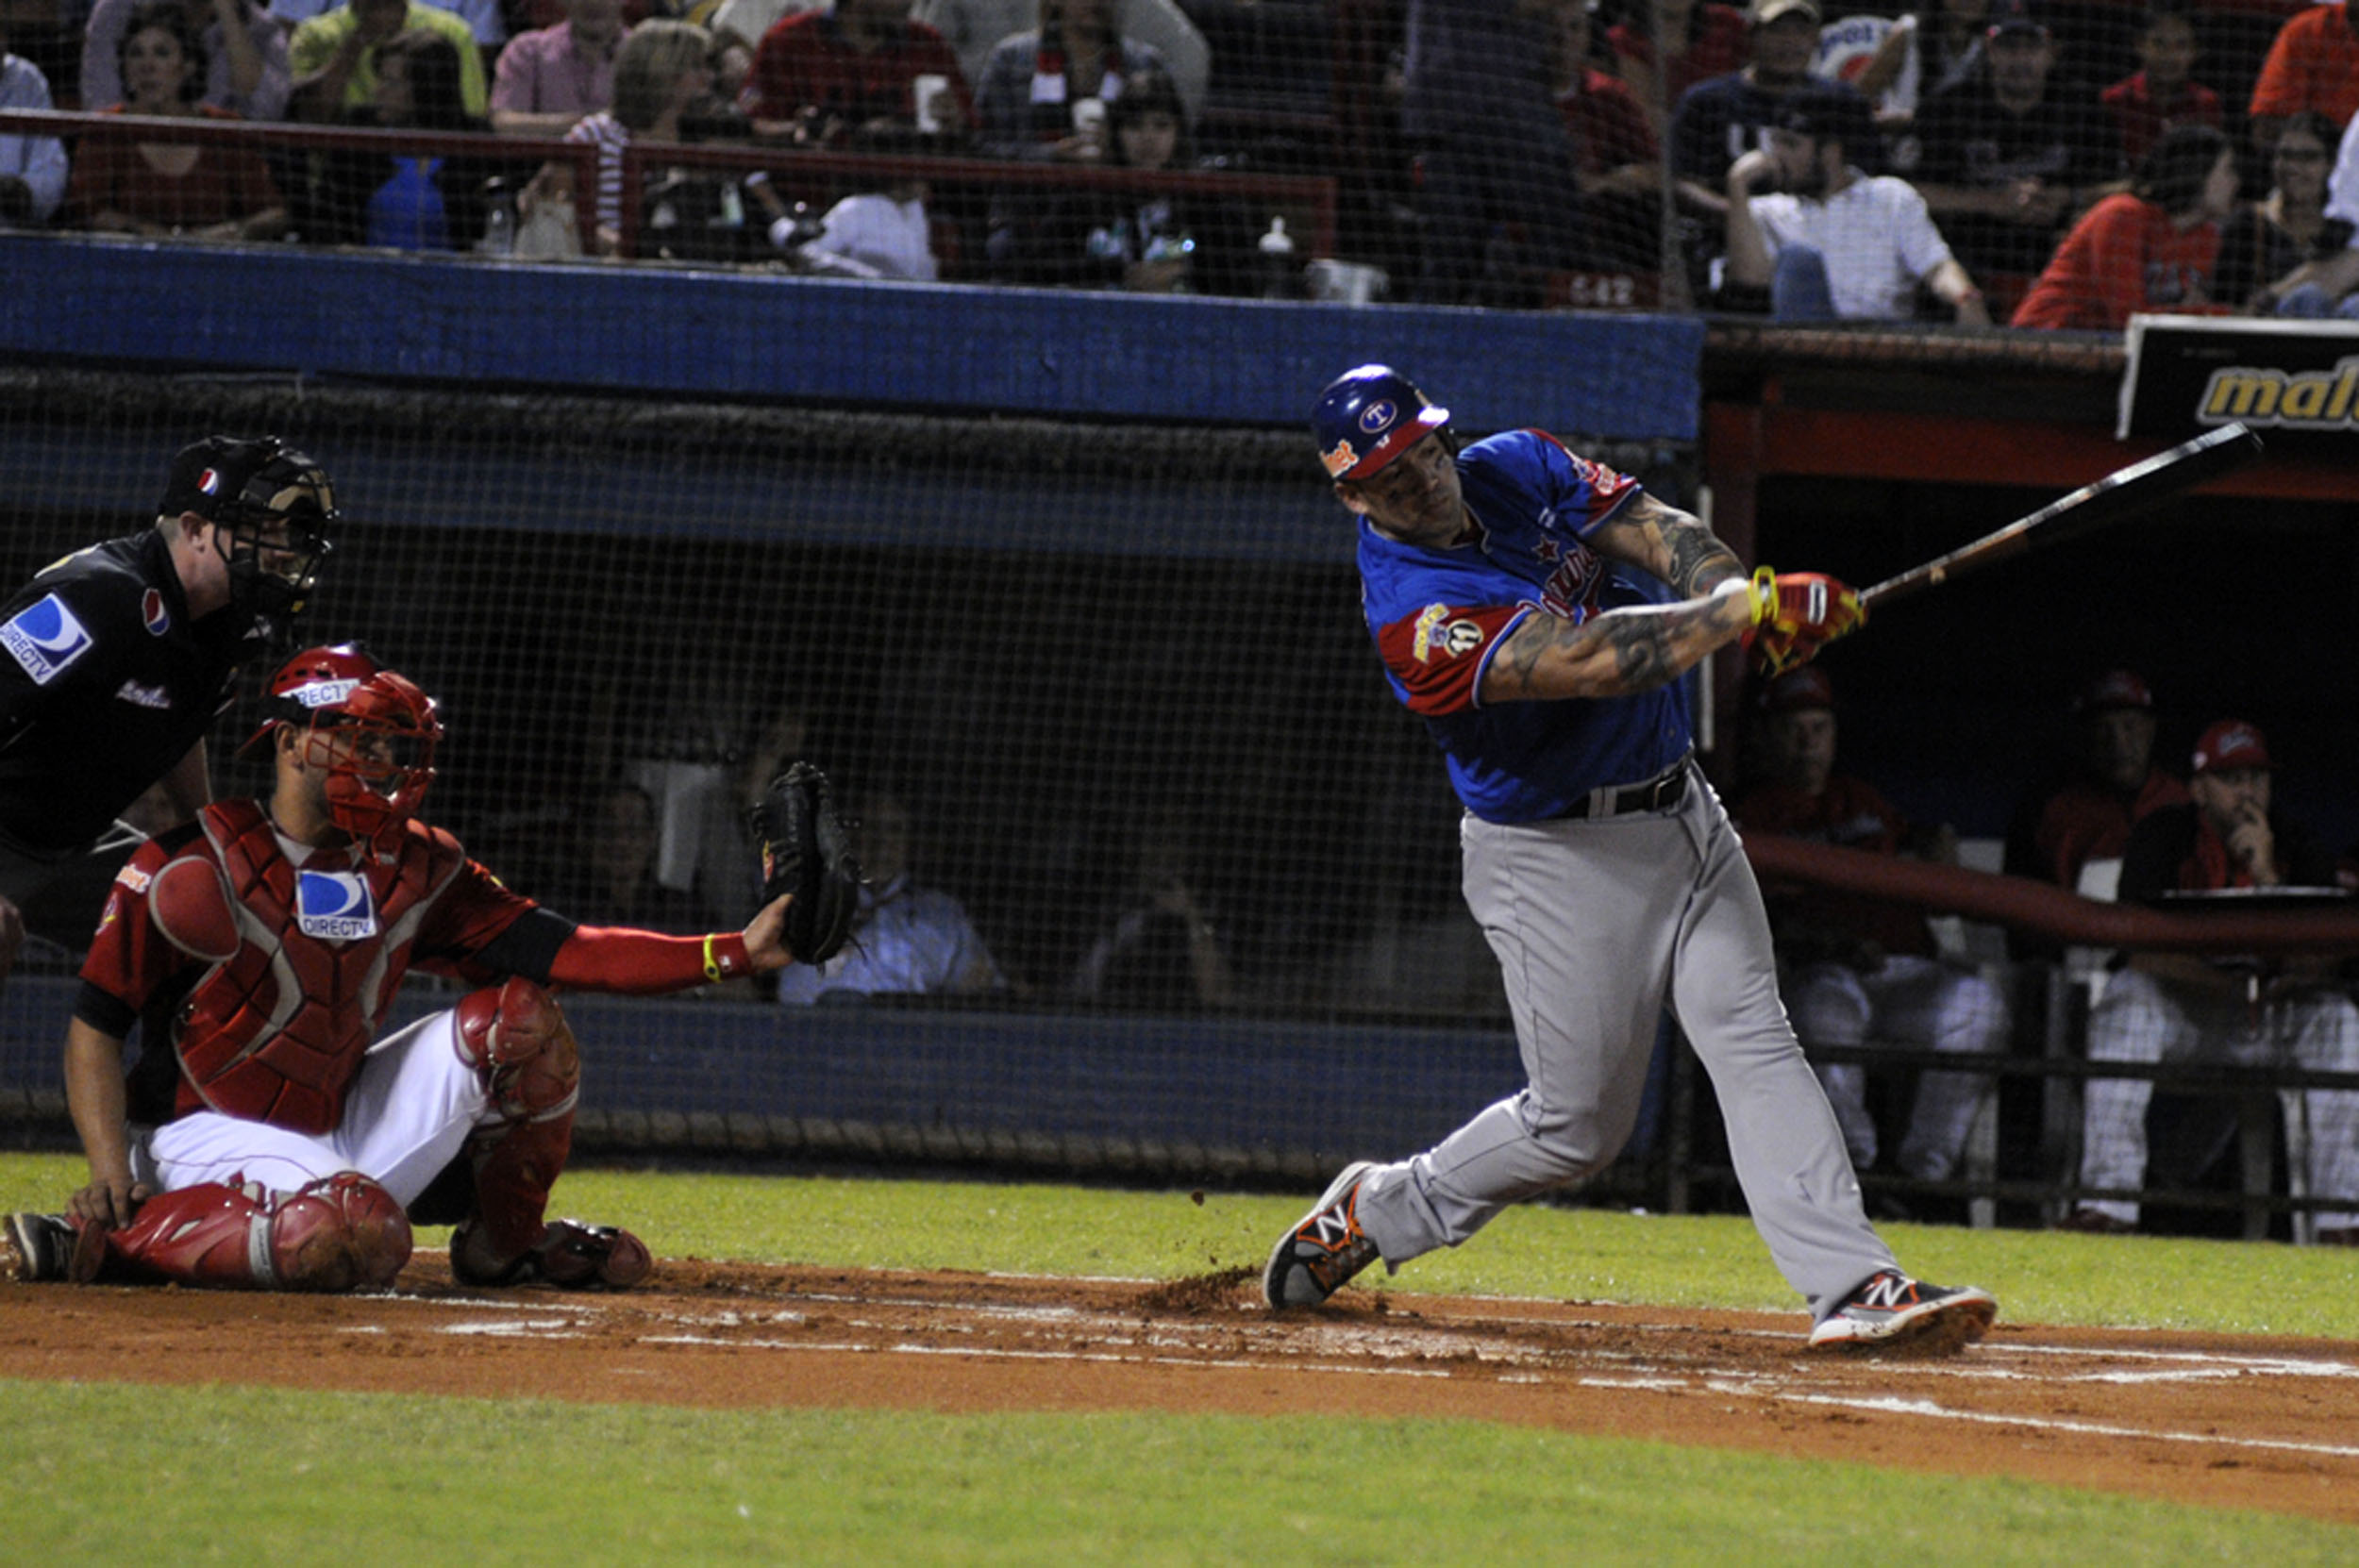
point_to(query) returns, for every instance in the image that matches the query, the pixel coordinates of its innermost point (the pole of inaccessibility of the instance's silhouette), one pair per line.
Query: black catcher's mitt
(807, 851)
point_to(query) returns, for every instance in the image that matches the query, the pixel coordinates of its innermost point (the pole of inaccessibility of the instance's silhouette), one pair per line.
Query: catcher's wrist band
(724, 955)
(712, 965)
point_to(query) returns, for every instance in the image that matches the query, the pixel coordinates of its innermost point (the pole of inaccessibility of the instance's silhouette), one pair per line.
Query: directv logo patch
(335, 905)
(45, 638)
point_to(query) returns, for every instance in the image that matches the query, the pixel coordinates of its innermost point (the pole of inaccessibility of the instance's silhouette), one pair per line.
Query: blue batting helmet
(1367, 417)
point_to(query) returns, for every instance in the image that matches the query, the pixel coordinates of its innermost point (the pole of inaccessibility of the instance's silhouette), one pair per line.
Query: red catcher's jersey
(295, 966)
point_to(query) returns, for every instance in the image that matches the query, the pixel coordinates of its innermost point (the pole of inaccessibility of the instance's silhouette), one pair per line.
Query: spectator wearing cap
(1856, 971)
(2178, 1007)
(1827, 241)
(115, 661)
(2152, 247)
(1719, 121)
(2009, 154)
(2111, 781)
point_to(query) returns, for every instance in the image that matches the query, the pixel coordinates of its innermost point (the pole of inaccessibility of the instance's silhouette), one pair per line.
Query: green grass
(189, 1475)
(130, 1474)
(1560, 1254)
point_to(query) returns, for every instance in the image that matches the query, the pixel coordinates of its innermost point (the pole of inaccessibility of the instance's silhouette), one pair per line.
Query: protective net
(1808, 160)
(1156, 854)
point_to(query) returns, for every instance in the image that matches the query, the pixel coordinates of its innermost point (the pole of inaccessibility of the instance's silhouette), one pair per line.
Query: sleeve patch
(45, 638)
(1437, 655)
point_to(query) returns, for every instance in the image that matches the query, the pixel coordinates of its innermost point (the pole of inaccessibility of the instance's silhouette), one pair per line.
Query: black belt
(1657, 794)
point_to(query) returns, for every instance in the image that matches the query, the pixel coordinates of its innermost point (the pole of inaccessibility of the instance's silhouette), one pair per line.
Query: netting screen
(1107, 688)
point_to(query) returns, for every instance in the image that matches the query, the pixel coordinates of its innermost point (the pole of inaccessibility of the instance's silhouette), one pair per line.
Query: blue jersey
(1439, 616)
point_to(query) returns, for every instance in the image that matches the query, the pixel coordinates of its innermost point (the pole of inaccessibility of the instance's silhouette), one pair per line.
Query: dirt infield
(2257, 1423)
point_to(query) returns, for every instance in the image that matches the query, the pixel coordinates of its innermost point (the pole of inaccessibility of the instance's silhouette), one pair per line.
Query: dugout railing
(810, 176)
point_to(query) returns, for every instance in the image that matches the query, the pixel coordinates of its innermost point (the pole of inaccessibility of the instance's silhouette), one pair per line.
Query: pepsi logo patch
(209, 482)
(152, 615)
(45, 638)
(1378, 415)
(334, 904)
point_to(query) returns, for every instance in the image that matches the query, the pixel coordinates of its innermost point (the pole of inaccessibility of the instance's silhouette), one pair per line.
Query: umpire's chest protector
(304, 961)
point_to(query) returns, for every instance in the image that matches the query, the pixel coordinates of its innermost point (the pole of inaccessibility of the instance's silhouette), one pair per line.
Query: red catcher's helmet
(1365, 418)
(390, 727)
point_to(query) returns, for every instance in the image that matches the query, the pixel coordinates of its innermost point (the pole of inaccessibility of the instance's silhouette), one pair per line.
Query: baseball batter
(264, 1137)
(1537, 610)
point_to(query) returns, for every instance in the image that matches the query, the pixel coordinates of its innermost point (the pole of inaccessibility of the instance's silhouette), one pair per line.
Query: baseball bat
(2124, 494)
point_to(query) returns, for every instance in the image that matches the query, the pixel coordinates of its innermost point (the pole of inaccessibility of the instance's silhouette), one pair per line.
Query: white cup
(1089, 116)
(922, 90)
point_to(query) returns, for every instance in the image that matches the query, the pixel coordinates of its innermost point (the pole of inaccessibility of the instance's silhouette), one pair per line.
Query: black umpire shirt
(105, 683)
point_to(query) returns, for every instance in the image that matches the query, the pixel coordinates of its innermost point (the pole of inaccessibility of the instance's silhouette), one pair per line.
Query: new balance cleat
(1889, 1309)
(35, 1247)
(1324, 1248)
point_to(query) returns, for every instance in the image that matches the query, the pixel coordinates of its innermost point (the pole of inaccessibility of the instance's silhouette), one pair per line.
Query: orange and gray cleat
(1324, 1248)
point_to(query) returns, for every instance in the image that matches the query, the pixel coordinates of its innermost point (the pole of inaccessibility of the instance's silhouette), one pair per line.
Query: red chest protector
(305, 962)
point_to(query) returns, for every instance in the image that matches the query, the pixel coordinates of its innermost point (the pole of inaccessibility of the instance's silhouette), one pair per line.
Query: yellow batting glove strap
(1763, 591)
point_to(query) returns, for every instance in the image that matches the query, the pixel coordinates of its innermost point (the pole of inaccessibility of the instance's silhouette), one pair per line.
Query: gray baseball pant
(1595, 923)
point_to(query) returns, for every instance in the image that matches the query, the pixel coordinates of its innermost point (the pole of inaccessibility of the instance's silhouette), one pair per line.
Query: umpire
(115, 661)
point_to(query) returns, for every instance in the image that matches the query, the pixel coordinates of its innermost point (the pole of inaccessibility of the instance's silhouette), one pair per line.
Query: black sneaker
(571, 1254)
(1890, 1308)
(35, 1247)
(1324, 1248)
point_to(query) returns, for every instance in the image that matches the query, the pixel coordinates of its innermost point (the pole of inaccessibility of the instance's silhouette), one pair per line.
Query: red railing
(1304, 195)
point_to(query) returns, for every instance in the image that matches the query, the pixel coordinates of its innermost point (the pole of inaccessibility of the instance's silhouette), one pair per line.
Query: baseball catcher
(807, 858)
(266, 1138)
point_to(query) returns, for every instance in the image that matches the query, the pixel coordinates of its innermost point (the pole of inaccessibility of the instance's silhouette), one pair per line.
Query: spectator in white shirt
(32, 168)
(1827, 242)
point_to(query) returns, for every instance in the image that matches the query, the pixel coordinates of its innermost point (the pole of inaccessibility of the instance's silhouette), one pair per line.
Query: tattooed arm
(1640, 647)
(1615, 654)
(1670, 543)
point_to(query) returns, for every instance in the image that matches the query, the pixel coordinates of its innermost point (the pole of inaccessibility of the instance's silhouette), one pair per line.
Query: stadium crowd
(2044, 163)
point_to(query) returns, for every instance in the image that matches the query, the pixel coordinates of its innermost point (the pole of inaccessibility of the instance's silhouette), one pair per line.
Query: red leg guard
(514, 1168)
(516, 1036)
(334, 1235)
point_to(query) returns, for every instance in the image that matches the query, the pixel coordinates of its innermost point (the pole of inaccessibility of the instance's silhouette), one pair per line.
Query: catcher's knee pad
(340, 1234)
(516, 1036)
(336, 1234)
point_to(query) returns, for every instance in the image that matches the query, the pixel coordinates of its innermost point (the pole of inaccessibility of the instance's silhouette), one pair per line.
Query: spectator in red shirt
(2161, 93)
(2152, 247)
(820, 76)
(164, 188)
(2313, 65)
(1617, 160)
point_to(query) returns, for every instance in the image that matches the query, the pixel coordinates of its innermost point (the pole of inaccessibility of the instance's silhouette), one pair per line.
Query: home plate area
(2221, 1419)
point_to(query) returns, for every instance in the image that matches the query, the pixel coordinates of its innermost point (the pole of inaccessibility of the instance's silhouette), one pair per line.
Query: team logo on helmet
(1339, 458)
(1378, 415)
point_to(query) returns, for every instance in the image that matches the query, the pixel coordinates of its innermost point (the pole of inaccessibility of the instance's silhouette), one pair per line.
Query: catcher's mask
(274, 508)
(372, 731)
